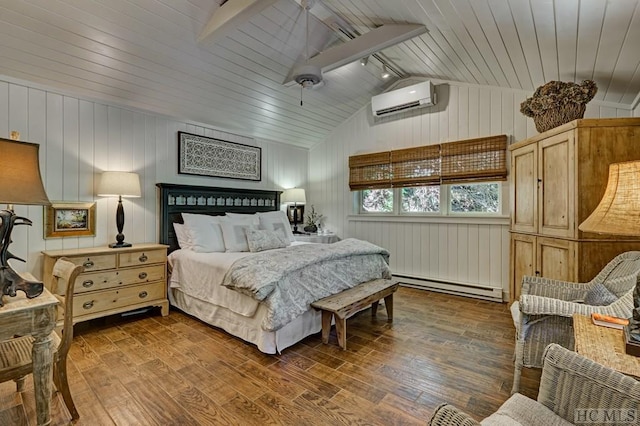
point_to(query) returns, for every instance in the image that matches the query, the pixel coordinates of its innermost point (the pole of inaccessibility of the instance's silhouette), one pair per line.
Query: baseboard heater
(460, 289)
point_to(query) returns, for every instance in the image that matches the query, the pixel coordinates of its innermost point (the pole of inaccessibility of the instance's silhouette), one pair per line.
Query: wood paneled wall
(79, 139)
(462, 251)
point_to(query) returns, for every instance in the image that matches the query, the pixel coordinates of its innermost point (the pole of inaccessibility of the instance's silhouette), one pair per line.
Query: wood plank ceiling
(146, 54)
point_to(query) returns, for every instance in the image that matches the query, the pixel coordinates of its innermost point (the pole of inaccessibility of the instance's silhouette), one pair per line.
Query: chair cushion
(516, 315)
(520, 410)
(599, 295)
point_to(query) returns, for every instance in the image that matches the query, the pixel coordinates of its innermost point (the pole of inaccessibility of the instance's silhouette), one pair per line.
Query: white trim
(478, 220)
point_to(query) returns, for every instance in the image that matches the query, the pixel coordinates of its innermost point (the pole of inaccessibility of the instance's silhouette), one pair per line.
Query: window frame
(445, 207)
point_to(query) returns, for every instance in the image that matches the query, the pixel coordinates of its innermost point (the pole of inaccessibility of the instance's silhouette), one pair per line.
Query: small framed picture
(62, 219)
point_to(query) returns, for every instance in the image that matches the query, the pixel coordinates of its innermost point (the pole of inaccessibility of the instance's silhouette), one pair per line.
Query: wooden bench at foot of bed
(348, 302)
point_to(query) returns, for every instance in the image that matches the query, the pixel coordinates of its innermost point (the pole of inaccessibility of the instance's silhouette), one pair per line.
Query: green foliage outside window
(478, 198)
(423, 199)
(468, 198)
(377, 200)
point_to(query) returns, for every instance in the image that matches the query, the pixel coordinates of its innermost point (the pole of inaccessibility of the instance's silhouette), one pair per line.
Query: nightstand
(316, 238)
(114, 280)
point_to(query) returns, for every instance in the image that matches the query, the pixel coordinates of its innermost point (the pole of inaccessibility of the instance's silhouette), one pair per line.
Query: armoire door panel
(556, 173)
(524, 201)
(556, 259)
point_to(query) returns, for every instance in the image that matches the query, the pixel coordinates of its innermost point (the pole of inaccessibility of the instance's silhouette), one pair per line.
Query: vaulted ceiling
(156, 55)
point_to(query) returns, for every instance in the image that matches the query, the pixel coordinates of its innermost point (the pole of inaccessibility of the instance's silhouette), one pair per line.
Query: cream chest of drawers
(114, 280)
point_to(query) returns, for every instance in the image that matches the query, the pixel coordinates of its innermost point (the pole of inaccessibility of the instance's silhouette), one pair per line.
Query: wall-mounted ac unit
(399, 100)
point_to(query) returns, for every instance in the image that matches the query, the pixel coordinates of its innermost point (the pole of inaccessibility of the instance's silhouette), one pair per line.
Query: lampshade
(293, 195)
(619, 210)
(20, 179)
(124, 184)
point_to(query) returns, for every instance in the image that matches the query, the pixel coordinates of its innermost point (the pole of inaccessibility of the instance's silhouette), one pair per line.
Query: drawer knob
(143, 258)
(88, 264)
(88, 305)
(142, 275)
(87, 283)
(142, 294)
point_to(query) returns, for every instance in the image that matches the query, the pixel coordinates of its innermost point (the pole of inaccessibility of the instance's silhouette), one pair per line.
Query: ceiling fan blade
(359, 47)
(230, 15)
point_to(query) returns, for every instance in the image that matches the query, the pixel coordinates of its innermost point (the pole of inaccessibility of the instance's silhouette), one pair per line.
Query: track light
(364, 61)
(385, 72)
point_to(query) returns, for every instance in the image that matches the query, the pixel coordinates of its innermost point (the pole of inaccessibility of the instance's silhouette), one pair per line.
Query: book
(609, 321)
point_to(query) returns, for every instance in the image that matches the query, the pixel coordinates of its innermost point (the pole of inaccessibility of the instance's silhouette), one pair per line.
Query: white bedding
(230, 310)
(190, 269)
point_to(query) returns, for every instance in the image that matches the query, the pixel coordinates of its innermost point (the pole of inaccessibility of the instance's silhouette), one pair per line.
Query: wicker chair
(544, 313)
(571, 388)
(16, 361)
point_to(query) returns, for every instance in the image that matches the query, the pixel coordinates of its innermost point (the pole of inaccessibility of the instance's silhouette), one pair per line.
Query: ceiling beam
(231, 15)
(364, 45)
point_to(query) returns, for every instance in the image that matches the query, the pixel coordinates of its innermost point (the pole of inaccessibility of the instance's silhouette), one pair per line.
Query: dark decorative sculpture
(634, 323)
(10, 280)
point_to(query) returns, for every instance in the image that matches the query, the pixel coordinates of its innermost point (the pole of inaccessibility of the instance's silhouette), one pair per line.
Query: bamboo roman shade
(473, 160)
(415, 166)
(370, 171)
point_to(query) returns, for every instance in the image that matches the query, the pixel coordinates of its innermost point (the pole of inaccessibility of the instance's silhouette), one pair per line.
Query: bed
(197, 283)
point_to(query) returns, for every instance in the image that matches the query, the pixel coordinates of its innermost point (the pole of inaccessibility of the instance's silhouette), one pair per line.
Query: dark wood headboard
(175, 199)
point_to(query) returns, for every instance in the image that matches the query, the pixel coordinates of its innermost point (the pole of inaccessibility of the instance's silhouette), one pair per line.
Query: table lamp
(294, 196)
(119, 184)
(20, 183)
(619, 213)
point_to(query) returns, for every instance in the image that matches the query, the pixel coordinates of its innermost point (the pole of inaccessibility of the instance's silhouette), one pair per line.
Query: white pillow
(204, 232)
(243, 216)
(183, 237)
(262, 239)
(234, 232)
(277, 221)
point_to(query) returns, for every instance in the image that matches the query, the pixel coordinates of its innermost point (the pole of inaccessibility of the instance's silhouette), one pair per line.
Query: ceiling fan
(308, 74)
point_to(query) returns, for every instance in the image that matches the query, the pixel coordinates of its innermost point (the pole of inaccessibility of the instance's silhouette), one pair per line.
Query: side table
(37, 317)
(316, 238)
(603, 345)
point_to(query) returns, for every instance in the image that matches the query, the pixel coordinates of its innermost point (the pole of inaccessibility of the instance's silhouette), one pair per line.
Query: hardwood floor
(176, 370)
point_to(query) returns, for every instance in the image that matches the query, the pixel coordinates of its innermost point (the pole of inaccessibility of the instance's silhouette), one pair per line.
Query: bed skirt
(248, 328)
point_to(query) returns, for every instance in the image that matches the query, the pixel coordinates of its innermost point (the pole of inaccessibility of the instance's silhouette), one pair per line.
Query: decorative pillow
(277, 221)
(182, 235)
(204, 232)
(263, 239)
(599, 295)
(234, 233)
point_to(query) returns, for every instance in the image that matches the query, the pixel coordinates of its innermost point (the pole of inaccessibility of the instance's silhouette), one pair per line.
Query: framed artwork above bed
(201, 155)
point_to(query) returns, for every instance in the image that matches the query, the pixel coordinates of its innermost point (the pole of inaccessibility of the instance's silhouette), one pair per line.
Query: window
(377, 200)
(458, 199)
(421, 199)
(475, 198)
(451, 178)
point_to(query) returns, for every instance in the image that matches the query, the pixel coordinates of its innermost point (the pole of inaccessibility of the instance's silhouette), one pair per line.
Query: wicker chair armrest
(564, 290)
(566, 376)
(537, 305)
(448, 415)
